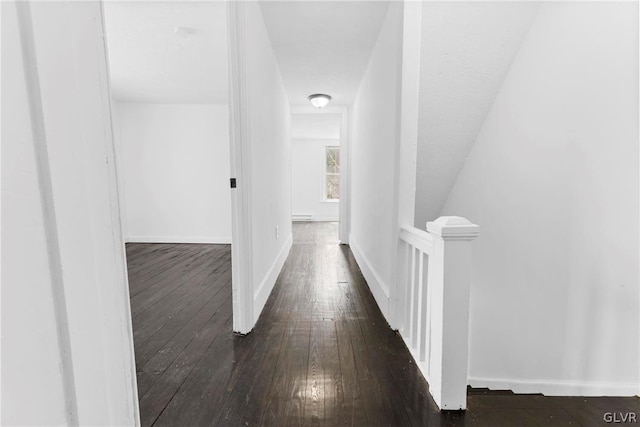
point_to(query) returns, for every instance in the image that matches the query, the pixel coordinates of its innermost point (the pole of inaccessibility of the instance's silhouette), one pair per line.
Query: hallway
(321, 353)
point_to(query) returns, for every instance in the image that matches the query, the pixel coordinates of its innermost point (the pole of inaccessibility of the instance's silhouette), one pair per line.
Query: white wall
(261, 160)
(552, 180)
(173, 162)
(67, 348)
(373, 142)
(308, 157)
(270, 124)
(31, 358)
(467, 49)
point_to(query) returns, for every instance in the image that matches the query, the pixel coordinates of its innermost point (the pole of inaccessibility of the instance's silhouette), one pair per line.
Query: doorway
(319, 167)
(169, 104)
(315, 168)
(169, 98)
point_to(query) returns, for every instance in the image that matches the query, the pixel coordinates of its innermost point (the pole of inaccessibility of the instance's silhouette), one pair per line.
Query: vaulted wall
(467, 48)
(552, 180)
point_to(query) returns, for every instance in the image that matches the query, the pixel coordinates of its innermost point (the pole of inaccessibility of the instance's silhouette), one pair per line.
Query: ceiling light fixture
(319, 100)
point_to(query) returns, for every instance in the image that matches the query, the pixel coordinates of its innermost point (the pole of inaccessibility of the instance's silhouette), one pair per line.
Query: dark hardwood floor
(321, 353)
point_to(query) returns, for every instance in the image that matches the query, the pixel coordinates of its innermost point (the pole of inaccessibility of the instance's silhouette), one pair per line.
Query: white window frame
(325, 173)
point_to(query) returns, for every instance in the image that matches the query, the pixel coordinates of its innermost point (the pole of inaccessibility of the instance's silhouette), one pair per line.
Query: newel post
(450, 276)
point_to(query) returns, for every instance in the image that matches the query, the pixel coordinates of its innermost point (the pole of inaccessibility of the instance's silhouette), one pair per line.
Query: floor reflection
(320, 354)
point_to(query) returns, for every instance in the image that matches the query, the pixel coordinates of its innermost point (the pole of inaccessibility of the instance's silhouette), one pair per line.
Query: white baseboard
(326, 218)
(266, 285)
(178, 239)
(314, 218)
(558, 388)
(378, 288)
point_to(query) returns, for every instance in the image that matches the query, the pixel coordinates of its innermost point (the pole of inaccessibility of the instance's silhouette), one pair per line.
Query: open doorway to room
(168, 75)
(316, 170)
(320, 167)
(169, 95)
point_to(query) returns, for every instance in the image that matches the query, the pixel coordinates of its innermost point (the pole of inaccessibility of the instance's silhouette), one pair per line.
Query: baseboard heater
(301, 217)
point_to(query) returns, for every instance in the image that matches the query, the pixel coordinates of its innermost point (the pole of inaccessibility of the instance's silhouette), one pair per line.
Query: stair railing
(433, 301)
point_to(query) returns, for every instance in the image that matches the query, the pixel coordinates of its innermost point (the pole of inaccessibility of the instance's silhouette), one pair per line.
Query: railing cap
(453, 228)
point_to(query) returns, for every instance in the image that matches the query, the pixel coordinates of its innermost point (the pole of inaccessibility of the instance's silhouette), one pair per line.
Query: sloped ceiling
(323, 46)
(467, 49)
(150, 62)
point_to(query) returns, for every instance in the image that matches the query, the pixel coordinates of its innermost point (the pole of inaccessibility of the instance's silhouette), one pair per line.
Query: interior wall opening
(316, 167)
(169, 104)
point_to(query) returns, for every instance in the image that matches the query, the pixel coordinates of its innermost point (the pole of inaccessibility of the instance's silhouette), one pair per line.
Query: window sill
(331, 201)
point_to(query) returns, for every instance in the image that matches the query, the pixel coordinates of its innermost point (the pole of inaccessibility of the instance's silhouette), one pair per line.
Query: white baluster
(412, 301)
(421, 308)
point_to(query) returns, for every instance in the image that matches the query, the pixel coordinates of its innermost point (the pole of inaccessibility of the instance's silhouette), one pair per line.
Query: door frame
(240, 171)
(240, 162)
(345, 177)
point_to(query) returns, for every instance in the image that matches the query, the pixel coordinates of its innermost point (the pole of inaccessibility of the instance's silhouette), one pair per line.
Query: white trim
(379, 289)
(558, 388)
(314, 218)
(344, 228)
(240, 154)
(308, 138)
(325, 173)
(404, 177)
(89, 288)
(179, 239)
(52, 233)
(266, 285)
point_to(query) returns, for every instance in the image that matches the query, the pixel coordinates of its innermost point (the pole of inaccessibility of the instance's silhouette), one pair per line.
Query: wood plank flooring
(320, 355)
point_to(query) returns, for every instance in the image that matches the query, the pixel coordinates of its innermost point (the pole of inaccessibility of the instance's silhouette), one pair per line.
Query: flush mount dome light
(319, 100)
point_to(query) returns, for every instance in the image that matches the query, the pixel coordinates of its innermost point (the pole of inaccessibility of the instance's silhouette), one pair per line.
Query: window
(332, 173)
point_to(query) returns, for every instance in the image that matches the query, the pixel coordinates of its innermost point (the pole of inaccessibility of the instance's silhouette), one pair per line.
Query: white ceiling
(315, 126)
(323, 46)
(149, 62)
